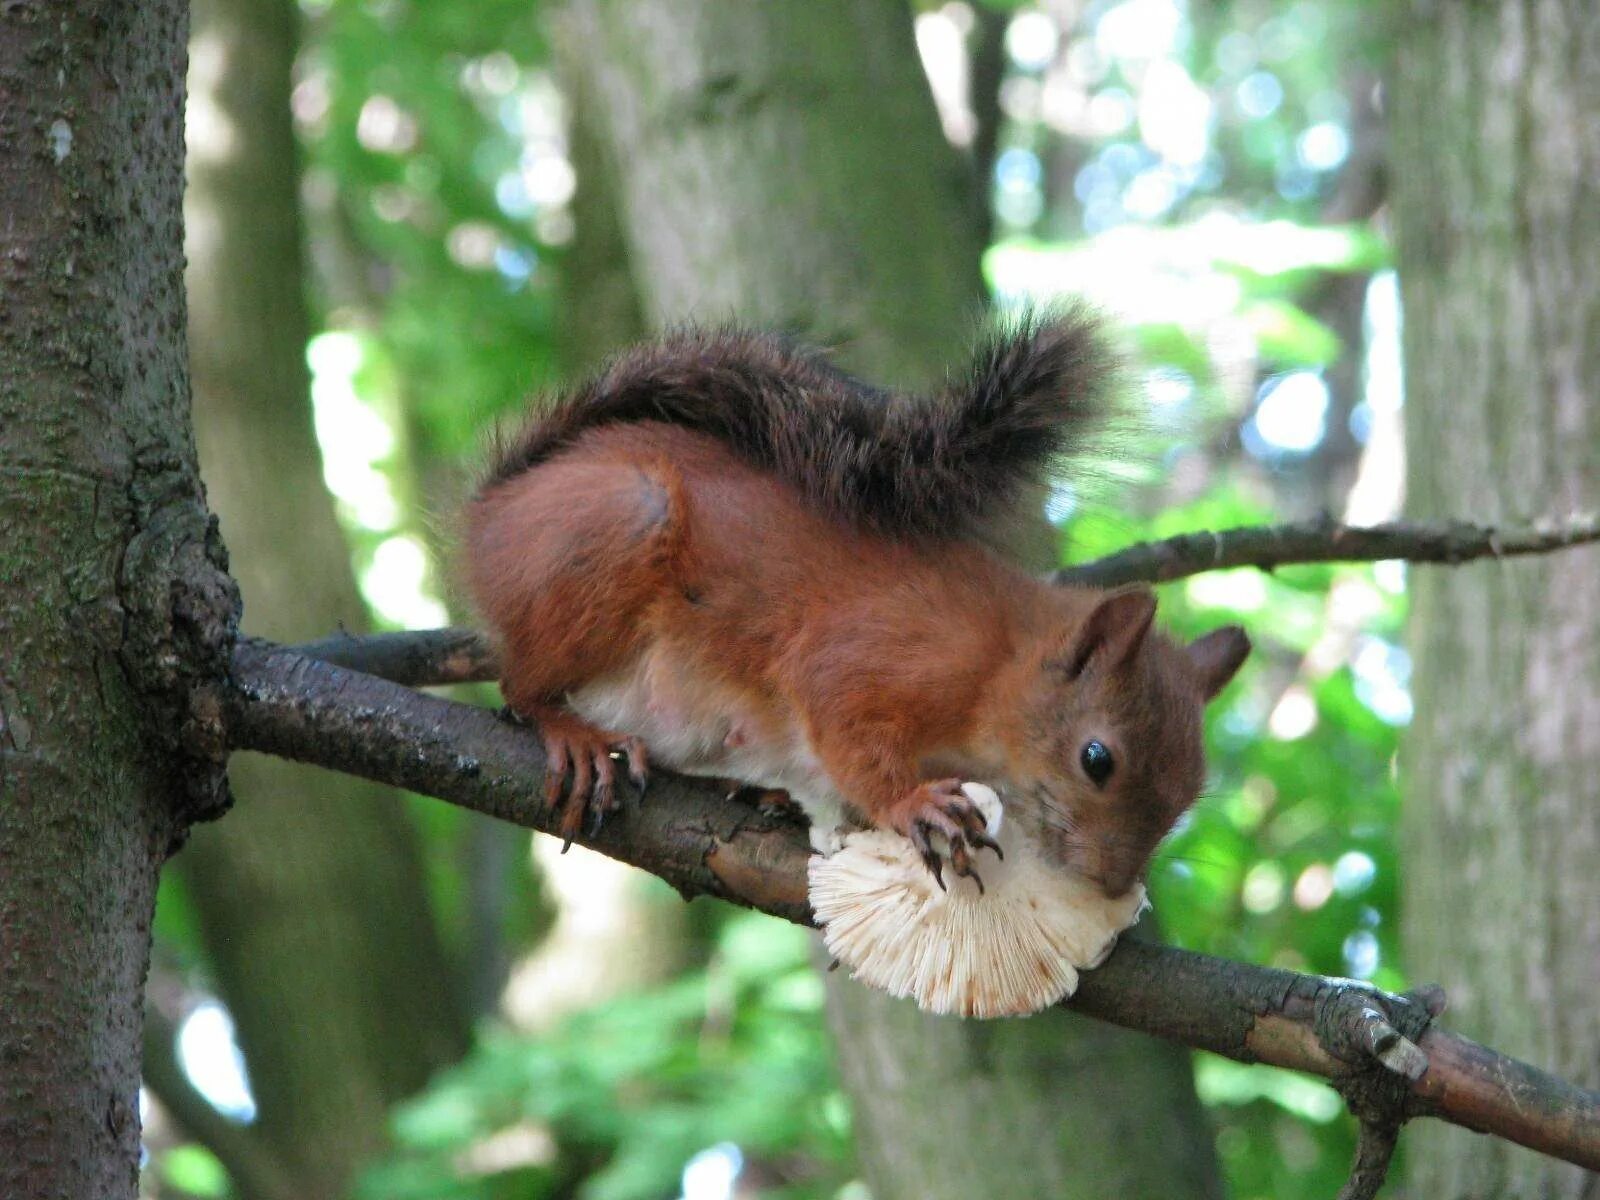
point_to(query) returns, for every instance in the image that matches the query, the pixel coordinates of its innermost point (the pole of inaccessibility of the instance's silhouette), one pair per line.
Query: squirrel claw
(930, 857)
(960, 862)
(779, 804)
(986, 842)
(942, 808)
(581, 775)
(632, 750)
(638, 780)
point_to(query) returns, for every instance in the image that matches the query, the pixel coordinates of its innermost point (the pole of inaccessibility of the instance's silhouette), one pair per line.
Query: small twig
(1374, 1036)
(1270, 546)
(419, 658)
(1375, 1143)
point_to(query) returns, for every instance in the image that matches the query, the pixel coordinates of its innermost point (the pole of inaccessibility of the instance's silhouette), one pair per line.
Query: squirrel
(725, 555)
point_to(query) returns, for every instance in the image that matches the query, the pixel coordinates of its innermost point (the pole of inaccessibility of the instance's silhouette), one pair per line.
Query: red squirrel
(725, 555)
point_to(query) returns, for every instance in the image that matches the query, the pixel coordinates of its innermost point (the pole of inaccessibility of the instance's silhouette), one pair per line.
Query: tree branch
(432, 657)
(422, 658)
(703, 842)
(1270, 546)
(689, 833)
(1375, 1145)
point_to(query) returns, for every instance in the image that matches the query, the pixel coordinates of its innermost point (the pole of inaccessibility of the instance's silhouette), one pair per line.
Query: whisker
(1189, 860)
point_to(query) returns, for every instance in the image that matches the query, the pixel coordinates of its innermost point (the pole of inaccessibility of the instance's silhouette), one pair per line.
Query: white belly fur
(693, 725)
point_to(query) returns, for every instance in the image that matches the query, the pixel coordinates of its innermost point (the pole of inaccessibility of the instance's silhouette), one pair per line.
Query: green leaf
(194, 1169)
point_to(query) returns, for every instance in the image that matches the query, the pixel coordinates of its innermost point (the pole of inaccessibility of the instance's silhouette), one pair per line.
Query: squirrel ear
(1218, 656)
(1114, 630)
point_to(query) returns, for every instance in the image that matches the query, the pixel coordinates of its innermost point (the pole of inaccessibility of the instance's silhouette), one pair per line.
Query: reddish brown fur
(904, 663)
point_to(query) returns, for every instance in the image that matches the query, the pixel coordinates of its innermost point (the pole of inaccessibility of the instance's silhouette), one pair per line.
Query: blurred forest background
(406, 216)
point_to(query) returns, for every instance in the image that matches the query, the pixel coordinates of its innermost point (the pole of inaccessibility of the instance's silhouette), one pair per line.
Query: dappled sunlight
(395, 583)
(213, 1061)
(1290, 416)
(210, 135)
(713, 1173)
(941, 44)
(614, 933)
(354, 437)
(360, 452)
(1242, 590)
(1294, 716)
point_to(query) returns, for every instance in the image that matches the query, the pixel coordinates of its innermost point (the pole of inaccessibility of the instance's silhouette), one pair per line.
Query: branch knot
(1375, 1034)
(181, 619)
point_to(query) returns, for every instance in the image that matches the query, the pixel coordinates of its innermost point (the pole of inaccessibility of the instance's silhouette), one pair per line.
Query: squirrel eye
(1097, 762)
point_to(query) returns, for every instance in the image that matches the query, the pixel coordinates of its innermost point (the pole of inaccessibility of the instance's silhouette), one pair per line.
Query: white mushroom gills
(1012, 949)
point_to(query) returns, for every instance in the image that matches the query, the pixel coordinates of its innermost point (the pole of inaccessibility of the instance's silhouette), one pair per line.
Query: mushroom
(1011, 948)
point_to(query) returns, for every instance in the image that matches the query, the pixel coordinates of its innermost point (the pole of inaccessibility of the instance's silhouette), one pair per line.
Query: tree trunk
(599, 310)
(112, 597)
(1052, 1106)
(784, 165)
(1496, 120)
(311, 897)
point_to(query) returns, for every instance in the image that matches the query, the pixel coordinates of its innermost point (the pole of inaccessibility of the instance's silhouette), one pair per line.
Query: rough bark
(112, 595)
(312, 903)
(784, 165)
(1496, 122)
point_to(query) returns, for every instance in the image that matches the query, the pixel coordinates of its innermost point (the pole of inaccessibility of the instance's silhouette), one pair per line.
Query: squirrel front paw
(952, 810)
(580, 775)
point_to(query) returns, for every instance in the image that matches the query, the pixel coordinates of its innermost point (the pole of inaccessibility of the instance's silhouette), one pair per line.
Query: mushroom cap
(1012, 949)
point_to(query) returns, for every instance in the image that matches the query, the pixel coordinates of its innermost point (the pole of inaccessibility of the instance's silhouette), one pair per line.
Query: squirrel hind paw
(827, 840)
(581, 786)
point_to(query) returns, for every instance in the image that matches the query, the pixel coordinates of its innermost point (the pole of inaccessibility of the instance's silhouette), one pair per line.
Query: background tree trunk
(312, 902)
(614, 931)
(1497, 167)
(784, 165)
(111, 594)
(600, 311)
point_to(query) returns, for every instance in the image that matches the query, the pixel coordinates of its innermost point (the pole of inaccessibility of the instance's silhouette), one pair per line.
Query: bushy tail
(905, 465)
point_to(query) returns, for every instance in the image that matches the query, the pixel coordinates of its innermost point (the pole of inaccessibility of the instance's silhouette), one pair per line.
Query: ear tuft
(1113, 632)
(1218, 656)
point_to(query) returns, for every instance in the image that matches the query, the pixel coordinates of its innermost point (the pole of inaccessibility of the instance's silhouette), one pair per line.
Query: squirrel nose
(1103, 867)
(1112, 878)
(1116, 886)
